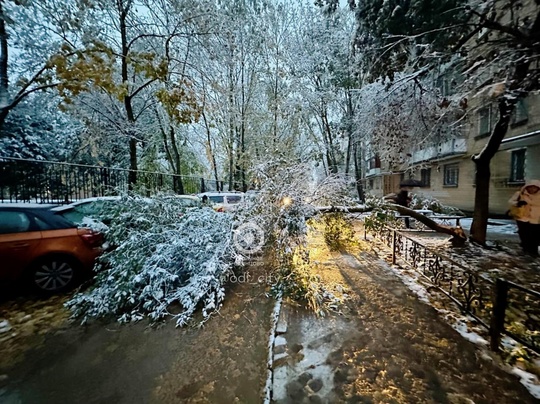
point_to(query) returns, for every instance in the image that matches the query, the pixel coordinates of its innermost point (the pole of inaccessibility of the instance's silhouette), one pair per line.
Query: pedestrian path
(385, 347)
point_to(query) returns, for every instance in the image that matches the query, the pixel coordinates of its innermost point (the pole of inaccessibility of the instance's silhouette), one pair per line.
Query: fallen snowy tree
(458, 235)
(163, 256)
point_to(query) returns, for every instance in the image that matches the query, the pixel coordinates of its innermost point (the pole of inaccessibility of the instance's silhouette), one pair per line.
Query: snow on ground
(529, 380)
(495, 226)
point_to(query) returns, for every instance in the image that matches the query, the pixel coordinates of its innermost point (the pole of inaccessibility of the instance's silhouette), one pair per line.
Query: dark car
(43, 249)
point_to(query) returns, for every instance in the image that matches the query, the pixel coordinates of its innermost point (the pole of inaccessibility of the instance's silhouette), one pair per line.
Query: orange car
(43, 249)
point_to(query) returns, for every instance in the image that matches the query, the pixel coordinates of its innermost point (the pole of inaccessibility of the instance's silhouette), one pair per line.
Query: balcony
(450, 148)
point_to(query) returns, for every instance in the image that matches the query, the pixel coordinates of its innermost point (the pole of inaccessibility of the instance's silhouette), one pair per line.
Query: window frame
(517, 163)
(425, 173)
(520, 115)
(451, 175)
(483, 113)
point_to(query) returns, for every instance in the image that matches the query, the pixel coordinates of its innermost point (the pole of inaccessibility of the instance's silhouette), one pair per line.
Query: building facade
(445, 167)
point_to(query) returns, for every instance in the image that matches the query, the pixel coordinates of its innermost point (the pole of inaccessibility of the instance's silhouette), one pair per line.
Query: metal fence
(23, 180)
(501, 306)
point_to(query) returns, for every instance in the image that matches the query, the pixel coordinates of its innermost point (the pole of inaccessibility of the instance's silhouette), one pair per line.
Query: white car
(222, 201)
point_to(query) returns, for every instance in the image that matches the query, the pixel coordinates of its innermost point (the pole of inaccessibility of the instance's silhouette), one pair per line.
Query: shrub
(338, 230)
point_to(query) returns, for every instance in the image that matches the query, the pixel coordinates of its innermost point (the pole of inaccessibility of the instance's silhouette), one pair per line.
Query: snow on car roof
(18, 205)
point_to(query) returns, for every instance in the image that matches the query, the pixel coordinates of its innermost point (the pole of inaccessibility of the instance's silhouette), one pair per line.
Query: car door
(18, 242)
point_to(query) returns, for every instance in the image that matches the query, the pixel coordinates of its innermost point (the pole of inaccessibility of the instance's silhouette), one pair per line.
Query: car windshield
(216, 198)
(80, 211)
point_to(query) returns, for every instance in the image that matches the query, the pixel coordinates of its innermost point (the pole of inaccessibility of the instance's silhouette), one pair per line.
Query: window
(425, 177)
(520, 115)
(484, 121)
(517, 168)
(451, 175)
(234, 199)
(374, 162)
(42, 225)
(13, 222)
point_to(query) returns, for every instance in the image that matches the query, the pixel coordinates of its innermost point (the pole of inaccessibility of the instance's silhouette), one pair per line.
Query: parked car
(186, 201)
(77, 211)
(84, 211)
(222, 201)
(43, 249)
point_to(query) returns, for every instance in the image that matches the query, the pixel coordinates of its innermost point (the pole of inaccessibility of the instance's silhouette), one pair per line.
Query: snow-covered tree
(494, 44)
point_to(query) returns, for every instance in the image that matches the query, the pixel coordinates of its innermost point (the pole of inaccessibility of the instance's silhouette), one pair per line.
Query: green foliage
(282, 210)
(338, 230)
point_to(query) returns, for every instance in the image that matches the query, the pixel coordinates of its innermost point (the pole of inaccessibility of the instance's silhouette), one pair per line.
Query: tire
(54, 274)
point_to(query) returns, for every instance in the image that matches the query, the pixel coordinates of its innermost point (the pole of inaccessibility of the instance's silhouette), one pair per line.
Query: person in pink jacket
(525, 209)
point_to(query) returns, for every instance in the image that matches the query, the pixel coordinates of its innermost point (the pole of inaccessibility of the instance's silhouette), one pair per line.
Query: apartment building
(447, 171)
(445, 167)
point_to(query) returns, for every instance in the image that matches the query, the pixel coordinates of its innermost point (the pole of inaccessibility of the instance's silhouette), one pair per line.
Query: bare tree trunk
(483, 172)
(123, 9)
(3, 60)
(242, 162)
(231, 131)
(358, 174)
(457, 233)
(211, 155)
(178, 183)
(350, 113)
(327, 136)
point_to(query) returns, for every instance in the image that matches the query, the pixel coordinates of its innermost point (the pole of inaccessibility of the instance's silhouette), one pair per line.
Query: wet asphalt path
(224, 361)
(385, 347)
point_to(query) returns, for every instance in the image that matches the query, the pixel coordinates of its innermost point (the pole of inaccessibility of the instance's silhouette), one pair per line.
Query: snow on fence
(25, 180)
(500, 306)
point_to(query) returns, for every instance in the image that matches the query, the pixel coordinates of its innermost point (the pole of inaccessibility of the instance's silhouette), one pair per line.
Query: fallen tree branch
(343, 209)
(457, 233)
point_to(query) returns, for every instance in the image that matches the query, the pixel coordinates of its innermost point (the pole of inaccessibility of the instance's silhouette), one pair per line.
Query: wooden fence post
(500, 301)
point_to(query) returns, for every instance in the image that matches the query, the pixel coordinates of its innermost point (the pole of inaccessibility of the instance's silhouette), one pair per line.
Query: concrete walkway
(386, 347)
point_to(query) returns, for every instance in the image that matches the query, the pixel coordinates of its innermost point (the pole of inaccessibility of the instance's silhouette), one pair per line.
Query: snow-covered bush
(287, 199)
(420, 201)
(372, 201)
(163, 254)
(380, 215)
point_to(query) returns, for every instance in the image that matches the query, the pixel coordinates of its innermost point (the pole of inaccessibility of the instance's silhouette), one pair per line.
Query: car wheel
(53, 274)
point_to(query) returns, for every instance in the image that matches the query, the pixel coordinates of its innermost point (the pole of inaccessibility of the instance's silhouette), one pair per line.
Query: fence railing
(500, 306)
(23, 180)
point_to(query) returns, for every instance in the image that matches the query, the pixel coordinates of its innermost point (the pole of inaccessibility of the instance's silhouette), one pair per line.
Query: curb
(278, 322)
